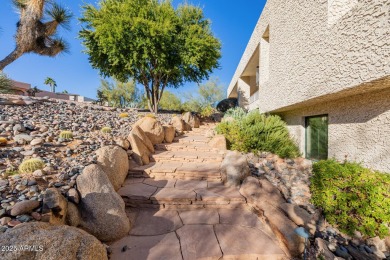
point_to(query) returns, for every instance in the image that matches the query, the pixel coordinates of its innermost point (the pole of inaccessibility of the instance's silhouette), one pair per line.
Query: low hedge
(352, 197)
(256, 132)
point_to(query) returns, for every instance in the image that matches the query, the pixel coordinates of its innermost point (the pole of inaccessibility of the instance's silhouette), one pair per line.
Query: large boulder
(102, 209)
(234, 168)
(169, 133)
(54, 207)
(140, 145)
(152, 128)
(191, 119)
(178, 124)
(266, 198)
(45, 241)
(137, 131)
(218, 142)
(226, 104)
(115, 163)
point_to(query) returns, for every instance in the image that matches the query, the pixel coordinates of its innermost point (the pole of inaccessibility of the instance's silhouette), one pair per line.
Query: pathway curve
(181, 210)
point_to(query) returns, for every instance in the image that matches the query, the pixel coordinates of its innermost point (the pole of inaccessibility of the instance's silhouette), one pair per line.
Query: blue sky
(232, 23)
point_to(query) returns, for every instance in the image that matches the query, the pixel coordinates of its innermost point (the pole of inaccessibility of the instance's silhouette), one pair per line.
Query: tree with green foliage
(52, 83)
(37, 28)
(170, 101)
(119, 94)
(205, 99)
(5, 84)
(150, 41)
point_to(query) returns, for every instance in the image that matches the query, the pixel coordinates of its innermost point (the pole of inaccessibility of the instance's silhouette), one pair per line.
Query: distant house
(20, 88)
(64, 96)
(324, 67)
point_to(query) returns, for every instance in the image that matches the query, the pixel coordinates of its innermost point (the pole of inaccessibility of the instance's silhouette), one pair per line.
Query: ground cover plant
(352, 197)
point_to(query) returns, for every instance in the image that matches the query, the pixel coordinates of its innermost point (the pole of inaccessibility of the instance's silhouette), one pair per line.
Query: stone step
(186, 156)
(191, 139)
(185, 147)
(178, 170)
(196, 234)
(179, 194)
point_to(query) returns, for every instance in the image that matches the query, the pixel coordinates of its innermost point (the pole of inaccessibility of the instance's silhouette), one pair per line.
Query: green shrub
(106, 130)
(31, 165)
(207, 111)
(352, 197)
(66, 135)
(256, 132)
(237, 113)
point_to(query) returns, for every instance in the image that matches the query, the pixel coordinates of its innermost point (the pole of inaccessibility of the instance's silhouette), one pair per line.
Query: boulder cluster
(279, 190)
(74, 192)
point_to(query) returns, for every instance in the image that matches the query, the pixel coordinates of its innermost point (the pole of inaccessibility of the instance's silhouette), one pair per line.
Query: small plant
(3, 141)
(352, 197)
(123, 115)
(31, 165)
(66, 134)
(106, 130)
(151, 116)
(207, 111)
(10, 172)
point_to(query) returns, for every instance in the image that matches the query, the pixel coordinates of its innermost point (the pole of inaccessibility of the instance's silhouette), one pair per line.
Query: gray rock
(51, 241)
(23, 207)
(115, 163)
(234, 168)
(22, 138)
(102, 209)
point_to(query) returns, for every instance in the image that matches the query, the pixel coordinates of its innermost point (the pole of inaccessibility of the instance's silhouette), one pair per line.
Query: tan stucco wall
(359, 128)
(318, 48)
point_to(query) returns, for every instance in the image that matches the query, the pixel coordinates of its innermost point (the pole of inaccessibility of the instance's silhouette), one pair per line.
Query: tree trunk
(9, 59)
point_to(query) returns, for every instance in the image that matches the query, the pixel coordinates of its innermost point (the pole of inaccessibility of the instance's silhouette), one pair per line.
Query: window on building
(316, 137)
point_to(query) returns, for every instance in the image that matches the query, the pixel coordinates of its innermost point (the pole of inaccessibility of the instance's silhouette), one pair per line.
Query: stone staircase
(180, 208)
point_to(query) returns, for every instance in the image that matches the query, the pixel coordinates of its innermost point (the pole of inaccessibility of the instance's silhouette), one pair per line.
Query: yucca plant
(37, 28)
(66, 134)
(106, 130)
(31, 165)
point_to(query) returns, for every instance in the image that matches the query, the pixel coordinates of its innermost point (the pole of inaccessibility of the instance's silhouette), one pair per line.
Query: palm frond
(60, 15)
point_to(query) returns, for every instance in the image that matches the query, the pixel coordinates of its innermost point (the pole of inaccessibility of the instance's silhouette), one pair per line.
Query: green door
(317, 137)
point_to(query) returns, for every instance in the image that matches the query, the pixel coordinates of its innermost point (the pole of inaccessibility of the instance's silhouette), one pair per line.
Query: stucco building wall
(324, 57)
(359, 129)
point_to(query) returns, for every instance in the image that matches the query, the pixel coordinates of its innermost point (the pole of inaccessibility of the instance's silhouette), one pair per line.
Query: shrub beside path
(180, 209)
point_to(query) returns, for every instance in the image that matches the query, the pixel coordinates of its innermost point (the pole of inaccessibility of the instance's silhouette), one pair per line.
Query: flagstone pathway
(180, 209)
